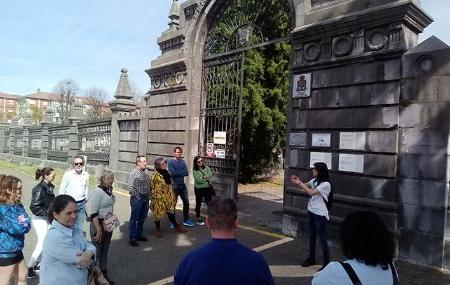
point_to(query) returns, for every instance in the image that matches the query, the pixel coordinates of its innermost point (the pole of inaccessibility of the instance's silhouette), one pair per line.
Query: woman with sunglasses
(14, 224)
(163, 197)
(202, 186)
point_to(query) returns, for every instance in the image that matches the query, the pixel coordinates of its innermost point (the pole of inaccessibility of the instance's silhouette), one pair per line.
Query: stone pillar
(122, 103)
(44, 143)
(74, 145)
(424, 154)
(143, 131)
(25, 142)
(114, 145)
(12, 141)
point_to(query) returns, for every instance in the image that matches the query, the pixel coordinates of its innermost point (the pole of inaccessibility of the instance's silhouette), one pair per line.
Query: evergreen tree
(266, 78)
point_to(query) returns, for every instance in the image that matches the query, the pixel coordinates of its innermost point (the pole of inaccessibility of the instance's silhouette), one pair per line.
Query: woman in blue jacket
(14, 224)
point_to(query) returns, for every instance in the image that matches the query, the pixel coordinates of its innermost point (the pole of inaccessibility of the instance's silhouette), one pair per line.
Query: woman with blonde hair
(14, 224)
(101, 206)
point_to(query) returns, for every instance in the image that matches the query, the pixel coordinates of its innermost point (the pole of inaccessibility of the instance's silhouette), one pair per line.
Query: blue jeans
(318, 227)
(81, 214)
(139, 212)
(181, 190)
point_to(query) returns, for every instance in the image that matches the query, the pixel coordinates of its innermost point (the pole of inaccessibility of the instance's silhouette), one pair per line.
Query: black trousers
(200, 194)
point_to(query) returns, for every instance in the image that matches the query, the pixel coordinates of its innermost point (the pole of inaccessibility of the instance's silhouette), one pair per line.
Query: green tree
(266, 79)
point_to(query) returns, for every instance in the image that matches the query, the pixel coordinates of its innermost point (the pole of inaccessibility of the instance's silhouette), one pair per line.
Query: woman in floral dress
(162, 197)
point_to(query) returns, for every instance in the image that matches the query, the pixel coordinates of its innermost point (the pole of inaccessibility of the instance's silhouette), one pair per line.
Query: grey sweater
(101, 203)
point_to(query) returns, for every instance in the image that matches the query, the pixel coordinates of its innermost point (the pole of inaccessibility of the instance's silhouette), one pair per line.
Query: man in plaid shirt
(139, 188)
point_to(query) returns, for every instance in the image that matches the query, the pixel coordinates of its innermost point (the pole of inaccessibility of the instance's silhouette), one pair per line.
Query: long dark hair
(195, 165)
(365, 238)
(43, 172)
(58, 205)
(322, 172)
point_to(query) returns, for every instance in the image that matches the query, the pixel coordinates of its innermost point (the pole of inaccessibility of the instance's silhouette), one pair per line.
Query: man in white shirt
(75, 183)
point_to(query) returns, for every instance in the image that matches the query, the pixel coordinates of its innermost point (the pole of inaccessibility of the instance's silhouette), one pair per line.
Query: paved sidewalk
(154, 262)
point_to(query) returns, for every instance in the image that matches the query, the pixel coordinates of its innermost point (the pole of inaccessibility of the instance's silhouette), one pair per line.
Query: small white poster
(301, 85)
(352, 140)
(321, 140)
(351, 162)
(320, 157)
(220, 153)
(298, 139)
(220, 137)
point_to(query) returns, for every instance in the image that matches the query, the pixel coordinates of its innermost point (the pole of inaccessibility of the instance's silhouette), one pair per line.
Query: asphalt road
(155, 261)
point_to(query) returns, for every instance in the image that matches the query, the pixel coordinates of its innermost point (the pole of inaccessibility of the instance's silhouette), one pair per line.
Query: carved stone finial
(174, 15)
(123, 94)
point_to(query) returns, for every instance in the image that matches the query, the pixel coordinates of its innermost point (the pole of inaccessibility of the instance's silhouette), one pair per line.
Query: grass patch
(30, 170)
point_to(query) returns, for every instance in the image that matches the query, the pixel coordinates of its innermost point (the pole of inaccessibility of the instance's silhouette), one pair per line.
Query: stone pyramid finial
(123, 94)
(174, 15)
(123, 90)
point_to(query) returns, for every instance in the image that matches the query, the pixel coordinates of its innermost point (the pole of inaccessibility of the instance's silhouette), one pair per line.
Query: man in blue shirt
(223, 260)
(178, 170)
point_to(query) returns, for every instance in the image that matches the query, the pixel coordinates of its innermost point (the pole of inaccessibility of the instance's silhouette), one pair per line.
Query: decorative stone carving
(312, 52)
(298, 57)
(168, 79)
(425, 63)
(376, 39)
(395, 35)
(358, 41)
(342, 45)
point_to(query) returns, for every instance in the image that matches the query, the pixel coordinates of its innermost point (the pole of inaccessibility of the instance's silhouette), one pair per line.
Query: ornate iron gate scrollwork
(221, 112)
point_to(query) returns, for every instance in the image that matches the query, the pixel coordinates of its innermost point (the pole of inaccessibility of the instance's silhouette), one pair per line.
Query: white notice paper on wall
(321, 140)
(351, 162)
(220, 153)
(220, 137)
(320, 157)
(352, 140)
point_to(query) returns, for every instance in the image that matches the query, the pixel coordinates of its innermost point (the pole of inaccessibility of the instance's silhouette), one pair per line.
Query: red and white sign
(210, 150)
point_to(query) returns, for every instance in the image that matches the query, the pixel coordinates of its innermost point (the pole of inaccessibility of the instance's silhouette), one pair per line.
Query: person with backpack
(319, 190)
(369, 248)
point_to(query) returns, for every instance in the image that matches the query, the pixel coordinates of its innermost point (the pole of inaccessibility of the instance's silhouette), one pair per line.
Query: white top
(334, 274)
(75, 185)
(316, 203)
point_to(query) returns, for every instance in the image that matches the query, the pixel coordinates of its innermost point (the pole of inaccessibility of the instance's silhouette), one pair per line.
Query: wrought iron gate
(220, 119)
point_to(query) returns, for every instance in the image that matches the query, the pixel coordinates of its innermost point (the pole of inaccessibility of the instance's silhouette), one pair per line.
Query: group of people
(159, 192)
(63, 255)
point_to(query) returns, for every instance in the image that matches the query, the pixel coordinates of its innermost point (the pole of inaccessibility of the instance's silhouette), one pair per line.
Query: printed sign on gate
(210, 150)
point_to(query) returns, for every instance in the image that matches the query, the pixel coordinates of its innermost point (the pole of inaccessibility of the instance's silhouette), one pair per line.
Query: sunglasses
(198, 161)
(78, 163)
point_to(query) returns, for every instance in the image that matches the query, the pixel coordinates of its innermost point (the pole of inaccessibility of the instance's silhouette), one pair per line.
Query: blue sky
(89, 41)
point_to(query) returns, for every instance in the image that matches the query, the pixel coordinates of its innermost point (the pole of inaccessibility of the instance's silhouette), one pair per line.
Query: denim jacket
(14, 224)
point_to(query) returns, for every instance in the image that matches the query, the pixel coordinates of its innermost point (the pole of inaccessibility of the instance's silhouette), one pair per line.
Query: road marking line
(170, 279)
(122, 193)
(252, 229)
(273, 244)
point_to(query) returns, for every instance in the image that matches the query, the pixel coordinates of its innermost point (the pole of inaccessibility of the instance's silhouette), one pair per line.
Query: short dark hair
(59, 204)
(365, 237)
(41, 173)
(222, 214)
(177, 148)
(138, 157)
